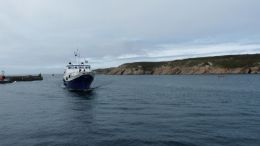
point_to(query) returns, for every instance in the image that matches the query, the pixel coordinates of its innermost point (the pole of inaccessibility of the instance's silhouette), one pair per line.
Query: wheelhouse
(78, 67)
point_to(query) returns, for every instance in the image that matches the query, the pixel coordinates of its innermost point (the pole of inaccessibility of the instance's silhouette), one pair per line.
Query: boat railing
(74, 73)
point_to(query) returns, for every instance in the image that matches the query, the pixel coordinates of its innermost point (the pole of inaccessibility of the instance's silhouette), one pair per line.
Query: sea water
(183, 110)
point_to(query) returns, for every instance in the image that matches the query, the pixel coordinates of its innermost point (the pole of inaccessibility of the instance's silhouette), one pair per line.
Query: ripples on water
(133, 110)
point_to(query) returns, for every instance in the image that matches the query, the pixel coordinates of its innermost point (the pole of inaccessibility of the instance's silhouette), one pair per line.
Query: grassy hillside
(216, 64)
(229, 61)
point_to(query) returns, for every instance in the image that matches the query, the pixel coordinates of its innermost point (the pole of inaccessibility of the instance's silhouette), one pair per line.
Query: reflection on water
(86, 95)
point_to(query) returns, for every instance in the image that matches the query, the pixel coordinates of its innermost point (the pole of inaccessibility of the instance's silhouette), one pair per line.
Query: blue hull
(81, 83)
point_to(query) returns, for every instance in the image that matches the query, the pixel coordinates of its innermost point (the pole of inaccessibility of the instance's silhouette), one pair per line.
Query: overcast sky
(41, 35)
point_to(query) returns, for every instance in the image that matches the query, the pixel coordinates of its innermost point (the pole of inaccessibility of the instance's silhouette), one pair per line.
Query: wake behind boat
(79, 76)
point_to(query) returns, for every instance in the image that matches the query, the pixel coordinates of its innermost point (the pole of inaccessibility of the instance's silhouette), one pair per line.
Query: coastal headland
(229, 64)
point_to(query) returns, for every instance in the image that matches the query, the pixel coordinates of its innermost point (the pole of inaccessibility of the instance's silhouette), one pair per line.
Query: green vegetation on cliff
(230, 61)
(216, 64)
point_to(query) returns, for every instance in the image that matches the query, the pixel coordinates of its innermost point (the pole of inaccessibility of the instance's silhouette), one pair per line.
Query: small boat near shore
(4, 80)
(79, 76)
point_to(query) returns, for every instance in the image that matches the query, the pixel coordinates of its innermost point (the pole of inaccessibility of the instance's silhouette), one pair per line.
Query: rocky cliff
(232, 64)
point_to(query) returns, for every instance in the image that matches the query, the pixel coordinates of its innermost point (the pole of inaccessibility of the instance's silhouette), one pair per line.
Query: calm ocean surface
(133, 111)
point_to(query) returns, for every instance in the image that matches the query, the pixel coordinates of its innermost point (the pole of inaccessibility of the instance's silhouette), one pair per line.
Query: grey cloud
(46, 32)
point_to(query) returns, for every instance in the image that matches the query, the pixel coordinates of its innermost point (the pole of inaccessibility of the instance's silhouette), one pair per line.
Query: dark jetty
(25, 78)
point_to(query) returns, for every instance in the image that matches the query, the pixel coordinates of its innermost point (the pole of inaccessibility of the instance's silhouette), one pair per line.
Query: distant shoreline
(217, 65)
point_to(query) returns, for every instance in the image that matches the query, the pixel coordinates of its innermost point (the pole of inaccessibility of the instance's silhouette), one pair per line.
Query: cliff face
(237, 64)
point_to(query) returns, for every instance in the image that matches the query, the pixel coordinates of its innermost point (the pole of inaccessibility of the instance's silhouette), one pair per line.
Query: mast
(77, 55)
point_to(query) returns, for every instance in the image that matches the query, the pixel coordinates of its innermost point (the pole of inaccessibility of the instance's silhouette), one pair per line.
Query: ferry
(79, 76)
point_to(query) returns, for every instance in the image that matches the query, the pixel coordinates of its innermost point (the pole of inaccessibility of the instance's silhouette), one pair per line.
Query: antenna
(78, 53)
(77, 56)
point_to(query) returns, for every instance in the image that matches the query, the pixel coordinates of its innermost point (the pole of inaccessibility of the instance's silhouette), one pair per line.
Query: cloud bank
(41, 35)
